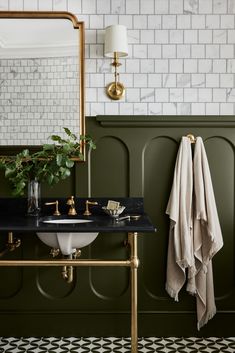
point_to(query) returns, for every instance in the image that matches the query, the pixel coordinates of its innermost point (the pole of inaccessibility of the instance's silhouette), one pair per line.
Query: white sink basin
(67, 221)
(67, 242)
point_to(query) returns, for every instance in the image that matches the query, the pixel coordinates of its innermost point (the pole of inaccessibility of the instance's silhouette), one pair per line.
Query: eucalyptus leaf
(50, 164)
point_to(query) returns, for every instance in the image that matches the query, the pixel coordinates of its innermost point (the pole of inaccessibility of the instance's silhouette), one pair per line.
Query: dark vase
(34, 197)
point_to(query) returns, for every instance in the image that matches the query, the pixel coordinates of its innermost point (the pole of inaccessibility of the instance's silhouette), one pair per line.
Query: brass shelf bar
(62, 262)
(132, 263)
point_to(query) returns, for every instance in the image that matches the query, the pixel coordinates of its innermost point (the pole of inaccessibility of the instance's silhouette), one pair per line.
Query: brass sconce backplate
(115, 90)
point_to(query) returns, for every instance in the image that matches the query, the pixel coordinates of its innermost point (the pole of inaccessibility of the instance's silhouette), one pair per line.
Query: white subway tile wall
(181, 54)
(38, 98)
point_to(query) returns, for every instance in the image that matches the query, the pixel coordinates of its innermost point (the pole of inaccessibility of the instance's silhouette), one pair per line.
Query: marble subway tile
(191, 6)
(16, 5)
(176, 7)
(176, 66)
(220, 6)
(32, 5)
(212, 21)
(162, 36)
(226, 80)
(227, 21)
(89, 7)
(161, 7)
(169, 108)
(141, 80)
(183, 80)
(212, 108)
(126, 108)
(168, 21)
(184, 21)
(140, 108)
(226, 109)
(219, 95)
(183, 108)
(198, 21)
(205, 7)
(176, 95)
(190, 94)
(74, 6)
(118, 6)
(198, 80)
(198, 109)
(154, 22)
(147, 7)
(154, 51)
(60, 5)
(147, 95)
(219, 36)
(204, 94)
(133, 6)
(112, 108)
(155, 108)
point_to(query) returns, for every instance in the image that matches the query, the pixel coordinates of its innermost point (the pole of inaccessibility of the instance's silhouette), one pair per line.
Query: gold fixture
(67, 273)
(192, 138)
(80, 27)
(87, 212)
(71, 203)
(54, 252)
(116, 46)
(56, 203)
(132, 262)
(11, 245)
(115, 90)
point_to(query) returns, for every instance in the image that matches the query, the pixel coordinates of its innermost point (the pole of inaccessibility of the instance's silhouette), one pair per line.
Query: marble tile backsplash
(38, 97)
(181, 54)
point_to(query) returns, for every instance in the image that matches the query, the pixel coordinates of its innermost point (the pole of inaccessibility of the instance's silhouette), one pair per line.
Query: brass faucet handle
(56, 203)
(87, 211)
(71, 203)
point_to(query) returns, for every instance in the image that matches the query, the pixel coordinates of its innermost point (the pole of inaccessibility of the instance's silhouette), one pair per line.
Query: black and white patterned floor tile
(116, 345)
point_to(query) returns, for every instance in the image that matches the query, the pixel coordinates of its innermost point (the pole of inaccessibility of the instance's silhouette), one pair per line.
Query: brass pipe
(67, 273)
(132, 240)
(63, 262)
(10, 238)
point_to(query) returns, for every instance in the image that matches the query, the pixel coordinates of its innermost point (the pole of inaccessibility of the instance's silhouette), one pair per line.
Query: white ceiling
(40, 37)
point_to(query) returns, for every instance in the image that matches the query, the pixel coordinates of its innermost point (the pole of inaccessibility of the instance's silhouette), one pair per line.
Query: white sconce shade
(116, 41)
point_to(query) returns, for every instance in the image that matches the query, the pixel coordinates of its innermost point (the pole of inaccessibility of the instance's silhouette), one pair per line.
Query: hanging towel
(179, 209)
(207, 236)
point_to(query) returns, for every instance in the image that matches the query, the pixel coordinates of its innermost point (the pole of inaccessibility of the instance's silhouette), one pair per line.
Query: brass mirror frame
(76, 25)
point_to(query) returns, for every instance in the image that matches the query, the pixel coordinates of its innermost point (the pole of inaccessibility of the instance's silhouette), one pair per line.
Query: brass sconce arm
(116, 46)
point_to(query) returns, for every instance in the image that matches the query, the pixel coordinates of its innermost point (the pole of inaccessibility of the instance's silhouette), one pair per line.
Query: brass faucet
(56, 203)
(87, 212)
(71, 203)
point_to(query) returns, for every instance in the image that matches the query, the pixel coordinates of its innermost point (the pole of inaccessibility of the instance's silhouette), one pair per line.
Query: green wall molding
(135, 156)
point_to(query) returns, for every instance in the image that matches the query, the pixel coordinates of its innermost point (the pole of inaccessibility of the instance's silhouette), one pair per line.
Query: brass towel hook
(192, 138)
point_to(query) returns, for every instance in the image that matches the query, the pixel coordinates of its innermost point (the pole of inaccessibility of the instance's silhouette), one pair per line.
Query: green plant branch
(50, 164)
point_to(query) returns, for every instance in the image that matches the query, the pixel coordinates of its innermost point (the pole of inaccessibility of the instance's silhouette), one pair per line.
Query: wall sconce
(116, 46)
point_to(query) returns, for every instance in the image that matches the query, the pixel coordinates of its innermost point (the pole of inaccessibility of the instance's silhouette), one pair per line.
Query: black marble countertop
(13, 217)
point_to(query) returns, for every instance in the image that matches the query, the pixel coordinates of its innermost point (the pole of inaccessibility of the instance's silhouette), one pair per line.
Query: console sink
(67, 242)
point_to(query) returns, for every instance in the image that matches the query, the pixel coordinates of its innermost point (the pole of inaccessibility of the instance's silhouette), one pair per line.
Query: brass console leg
(132, 240)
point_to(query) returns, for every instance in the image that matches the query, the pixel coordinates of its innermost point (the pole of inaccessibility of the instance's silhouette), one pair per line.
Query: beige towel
(207, 236)
(180, 254)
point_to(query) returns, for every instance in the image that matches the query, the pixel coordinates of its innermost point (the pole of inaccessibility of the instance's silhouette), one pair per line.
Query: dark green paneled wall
(135, 156)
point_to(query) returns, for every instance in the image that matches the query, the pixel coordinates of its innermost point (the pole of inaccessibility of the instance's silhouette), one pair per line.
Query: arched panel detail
(11, 283)
(109, 172)
(158, 161)
(110, 282)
